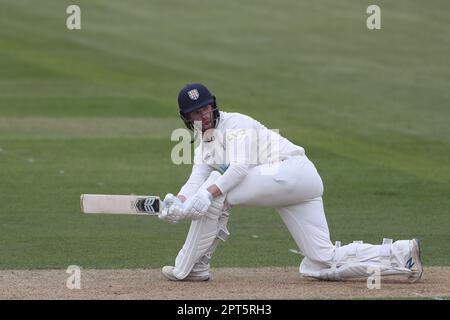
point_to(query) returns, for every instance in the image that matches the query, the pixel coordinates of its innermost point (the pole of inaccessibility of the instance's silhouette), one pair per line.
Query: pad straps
(385, 252)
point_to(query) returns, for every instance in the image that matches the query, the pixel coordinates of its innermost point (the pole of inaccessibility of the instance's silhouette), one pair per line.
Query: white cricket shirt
(237, 144)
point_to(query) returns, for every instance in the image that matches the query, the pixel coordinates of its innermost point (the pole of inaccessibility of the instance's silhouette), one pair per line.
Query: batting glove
(172, 209)
(197, 206)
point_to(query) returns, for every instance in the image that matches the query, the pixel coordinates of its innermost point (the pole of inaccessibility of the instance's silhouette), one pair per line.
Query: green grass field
(91, 111)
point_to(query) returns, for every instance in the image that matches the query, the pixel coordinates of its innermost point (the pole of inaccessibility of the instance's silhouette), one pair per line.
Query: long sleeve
(200, 172)
(241, 143)
(232, 177)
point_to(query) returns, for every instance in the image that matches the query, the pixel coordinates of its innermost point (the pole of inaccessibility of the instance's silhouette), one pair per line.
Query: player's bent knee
(201, 237)
(202, 234)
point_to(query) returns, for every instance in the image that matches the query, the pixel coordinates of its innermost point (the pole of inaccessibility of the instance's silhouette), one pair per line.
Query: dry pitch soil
(225, 283)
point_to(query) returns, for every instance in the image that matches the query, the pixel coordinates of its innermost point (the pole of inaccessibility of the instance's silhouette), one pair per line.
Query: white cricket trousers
(295, 190)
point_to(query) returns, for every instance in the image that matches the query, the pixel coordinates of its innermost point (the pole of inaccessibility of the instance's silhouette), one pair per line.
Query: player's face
(203, 115)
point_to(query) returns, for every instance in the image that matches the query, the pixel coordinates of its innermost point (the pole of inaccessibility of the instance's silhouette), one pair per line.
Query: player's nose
(206, 118)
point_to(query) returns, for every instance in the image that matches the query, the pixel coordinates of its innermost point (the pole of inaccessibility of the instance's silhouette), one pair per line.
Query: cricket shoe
(414, 263)
(167, 272)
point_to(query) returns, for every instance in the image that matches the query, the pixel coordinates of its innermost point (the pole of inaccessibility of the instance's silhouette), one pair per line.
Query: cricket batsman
(239, 162)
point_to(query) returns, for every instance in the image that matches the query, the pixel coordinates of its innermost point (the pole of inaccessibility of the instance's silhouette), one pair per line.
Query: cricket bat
(120, 204)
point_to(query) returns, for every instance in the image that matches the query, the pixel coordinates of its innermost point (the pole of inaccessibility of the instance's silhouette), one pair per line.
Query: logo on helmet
(193, 94)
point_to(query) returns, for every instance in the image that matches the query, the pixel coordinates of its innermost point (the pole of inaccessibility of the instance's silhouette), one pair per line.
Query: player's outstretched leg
(307, 224)
(358, 260)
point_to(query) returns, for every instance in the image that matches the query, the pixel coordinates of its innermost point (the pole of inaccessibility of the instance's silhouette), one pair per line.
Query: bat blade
(120, 204)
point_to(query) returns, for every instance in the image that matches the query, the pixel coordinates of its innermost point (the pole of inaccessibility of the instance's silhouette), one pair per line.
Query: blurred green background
(91, 111)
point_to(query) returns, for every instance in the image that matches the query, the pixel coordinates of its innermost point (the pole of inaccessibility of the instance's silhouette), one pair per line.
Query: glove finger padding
(176, 211)
(171, 211)
(170, 199)
(198, 204)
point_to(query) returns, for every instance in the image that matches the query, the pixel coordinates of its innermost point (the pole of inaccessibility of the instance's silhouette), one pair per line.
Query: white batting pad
(357, 260)
(201, 235)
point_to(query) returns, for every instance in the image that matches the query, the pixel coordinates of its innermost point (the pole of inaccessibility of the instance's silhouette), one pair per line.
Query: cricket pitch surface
(225, 283)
